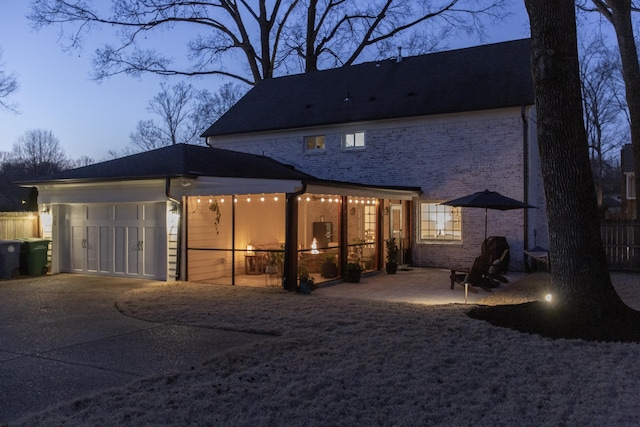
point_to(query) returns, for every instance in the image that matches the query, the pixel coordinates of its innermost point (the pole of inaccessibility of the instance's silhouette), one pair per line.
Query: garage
(115, 239)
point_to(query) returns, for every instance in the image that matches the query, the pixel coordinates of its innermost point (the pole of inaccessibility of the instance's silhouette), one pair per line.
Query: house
(451, 123)
(318, 167)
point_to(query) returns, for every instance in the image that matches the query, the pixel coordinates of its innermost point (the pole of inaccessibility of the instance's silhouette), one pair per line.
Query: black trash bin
(9, 259)
(33, 256)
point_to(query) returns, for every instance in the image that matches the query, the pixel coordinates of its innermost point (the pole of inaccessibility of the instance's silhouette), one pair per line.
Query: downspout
(179, 236)
(525, 148)
(290, 273)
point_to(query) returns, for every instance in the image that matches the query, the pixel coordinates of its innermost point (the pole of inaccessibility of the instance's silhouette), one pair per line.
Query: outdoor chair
(483, 274)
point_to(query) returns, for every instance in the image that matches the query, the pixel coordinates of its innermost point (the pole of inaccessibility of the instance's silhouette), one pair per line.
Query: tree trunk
(580, 275)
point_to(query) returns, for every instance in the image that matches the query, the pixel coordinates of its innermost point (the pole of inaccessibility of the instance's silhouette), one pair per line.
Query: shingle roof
(182, 160)
(471, 79)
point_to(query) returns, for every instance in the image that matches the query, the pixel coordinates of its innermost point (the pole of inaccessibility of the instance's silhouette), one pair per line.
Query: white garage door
(122, 239)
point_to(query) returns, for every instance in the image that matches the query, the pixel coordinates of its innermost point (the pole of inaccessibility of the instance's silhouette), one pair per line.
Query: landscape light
(548, 298)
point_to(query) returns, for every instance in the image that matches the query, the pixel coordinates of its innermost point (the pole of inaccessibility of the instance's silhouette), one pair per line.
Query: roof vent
(347, 98)
(399, 57)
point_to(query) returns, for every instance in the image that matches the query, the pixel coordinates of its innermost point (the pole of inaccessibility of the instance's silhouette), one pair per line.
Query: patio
(429, 286)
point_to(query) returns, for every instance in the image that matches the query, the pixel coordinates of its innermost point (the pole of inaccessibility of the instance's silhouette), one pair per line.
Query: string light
(198, 199)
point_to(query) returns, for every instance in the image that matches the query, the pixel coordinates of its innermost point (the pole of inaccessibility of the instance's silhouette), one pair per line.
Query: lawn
(351, 362)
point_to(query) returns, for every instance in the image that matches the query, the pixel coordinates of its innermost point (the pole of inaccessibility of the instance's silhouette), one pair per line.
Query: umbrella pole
(485, 224)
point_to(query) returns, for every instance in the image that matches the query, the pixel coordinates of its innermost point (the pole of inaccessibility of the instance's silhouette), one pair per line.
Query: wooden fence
(15, 225)
(622, 244)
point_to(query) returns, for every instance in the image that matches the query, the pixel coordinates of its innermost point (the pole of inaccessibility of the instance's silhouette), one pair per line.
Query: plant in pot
(354, 270)
(329, 267)
(392, 256)
(274, 262)
(307, 283)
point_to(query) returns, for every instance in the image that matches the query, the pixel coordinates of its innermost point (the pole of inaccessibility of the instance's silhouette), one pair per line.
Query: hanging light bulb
(262, 198)
(222, 200)
(210, 199)
(275, 199)
(198, 200)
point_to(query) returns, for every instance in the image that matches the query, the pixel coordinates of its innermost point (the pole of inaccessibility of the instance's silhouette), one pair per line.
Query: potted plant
(274, 262)
(329, 267)
(307, 283)
(392, 256)
(354, 270)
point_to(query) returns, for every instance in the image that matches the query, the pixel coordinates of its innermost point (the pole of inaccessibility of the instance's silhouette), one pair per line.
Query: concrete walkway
(62, 337)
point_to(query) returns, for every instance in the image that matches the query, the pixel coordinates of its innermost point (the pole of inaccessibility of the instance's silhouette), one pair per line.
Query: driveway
(62, 337)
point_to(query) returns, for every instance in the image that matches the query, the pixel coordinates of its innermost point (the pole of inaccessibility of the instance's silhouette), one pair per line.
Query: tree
(172, 105)
(586, 304)
(184, 114)
(37, 153)
(261, 36)
(603, 105)
(580, 272)
(210, 107)
(618, 13)
(8, 85)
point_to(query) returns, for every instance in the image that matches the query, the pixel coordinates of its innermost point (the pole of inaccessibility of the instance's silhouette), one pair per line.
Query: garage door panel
(119, 239)
(120, 250)
(134, 246)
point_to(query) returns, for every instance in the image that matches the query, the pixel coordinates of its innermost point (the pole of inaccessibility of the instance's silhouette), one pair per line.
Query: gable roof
(478, 78)
(181, 160)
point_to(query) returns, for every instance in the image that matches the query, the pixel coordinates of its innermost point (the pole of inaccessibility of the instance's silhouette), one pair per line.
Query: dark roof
(181, 160)
(472, 79)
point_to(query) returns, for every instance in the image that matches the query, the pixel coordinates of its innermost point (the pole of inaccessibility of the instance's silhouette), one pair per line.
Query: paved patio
(415, 285)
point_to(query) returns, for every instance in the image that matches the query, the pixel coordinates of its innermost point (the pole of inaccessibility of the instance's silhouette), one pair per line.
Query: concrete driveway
(61, 337)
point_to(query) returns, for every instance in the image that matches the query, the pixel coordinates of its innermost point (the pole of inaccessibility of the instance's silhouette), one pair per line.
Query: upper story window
(631, 186)
(353, 140)
(440, 223)
(314, 143)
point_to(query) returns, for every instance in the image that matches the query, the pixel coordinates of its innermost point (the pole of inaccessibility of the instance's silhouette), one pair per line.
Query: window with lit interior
(353, 140)
(440, 223)
(314, 143)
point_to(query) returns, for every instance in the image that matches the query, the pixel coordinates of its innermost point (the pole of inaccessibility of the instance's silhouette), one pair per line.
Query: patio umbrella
(488, 200)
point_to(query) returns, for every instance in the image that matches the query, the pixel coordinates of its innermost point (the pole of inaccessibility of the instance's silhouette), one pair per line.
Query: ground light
(548, 298)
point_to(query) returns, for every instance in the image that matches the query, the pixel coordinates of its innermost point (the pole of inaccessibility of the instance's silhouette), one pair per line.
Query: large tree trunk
(580, 275)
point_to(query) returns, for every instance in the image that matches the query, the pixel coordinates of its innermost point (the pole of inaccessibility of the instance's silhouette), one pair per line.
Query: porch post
(290, 273)
(344, 235)
(380, 246)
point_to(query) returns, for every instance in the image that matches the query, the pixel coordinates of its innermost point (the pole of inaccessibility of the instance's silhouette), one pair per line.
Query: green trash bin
(33, 256)
(9, 259)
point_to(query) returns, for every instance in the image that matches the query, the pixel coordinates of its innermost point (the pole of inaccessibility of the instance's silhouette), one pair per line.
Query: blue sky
(56, 91)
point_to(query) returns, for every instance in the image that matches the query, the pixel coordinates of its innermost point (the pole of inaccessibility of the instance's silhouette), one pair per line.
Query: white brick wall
(447, 156)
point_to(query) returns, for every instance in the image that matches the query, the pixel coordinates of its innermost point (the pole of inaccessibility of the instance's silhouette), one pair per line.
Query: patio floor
(413, 285)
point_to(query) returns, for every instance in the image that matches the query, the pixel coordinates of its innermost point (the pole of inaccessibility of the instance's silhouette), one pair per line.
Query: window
(370, 223)
(313, 143)
(631, 186)
(353, 140)
(439, 222)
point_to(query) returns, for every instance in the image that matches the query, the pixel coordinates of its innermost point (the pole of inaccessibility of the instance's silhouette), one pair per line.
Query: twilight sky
(56, 92)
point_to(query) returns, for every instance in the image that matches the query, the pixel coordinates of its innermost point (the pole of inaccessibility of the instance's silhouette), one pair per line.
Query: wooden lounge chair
(483, 274)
